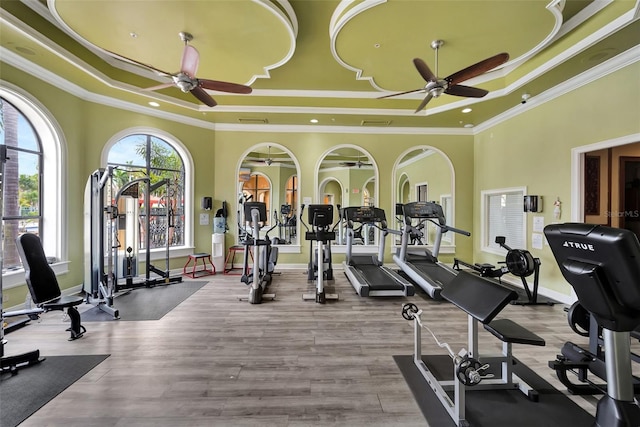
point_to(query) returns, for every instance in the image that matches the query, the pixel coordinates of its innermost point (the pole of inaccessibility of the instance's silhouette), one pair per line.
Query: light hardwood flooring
(216, 361)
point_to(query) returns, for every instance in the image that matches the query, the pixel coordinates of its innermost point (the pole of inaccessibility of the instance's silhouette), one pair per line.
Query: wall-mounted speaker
(206, 203)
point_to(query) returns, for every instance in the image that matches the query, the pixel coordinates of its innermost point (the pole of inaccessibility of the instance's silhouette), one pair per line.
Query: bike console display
(603, 266)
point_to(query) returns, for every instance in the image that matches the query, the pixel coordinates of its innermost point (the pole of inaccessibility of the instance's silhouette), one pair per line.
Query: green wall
(533, 149)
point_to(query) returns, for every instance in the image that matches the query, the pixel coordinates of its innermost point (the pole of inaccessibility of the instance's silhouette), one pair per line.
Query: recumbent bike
(602, 264)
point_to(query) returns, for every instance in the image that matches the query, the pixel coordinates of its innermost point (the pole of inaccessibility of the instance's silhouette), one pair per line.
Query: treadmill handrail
(446, 228)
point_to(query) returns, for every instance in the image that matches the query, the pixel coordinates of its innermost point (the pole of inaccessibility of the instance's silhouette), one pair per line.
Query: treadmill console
(364, 214)
(320, 215)
(425, 210)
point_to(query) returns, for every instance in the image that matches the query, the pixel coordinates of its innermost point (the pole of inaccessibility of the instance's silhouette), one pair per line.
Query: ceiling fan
(268, 161)
(351, 164)
(450, 85)
(186, 79)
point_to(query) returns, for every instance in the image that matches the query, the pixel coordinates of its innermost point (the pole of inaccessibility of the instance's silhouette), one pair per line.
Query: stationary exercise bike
(518, 262)
(320, 217)
(265, 256)
(602, 264)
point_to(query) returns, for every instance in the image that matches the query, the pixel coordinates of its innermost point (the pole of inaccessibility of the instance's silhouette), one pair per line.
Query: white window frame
(54, 180)
(485, 217)
(188, 246)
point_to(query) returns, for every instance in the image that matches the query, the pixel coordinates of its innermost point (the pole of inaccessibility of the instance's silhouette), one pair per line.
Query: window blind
(505, 217)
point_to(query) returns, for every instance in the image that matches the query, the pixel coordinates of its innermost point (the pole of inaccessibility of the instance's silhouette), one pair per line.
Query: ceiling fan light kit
(451, 84)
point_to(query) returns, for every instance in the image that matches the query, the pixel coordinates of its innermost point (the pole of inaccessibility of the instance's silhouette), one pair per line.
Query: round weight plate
(467, 371)
(409, 310)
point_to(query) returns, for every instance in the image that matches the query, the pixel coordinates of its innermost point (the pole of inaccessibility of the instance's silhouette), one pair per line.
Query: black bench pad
(477, 296)
(509, 331)
(62, 302)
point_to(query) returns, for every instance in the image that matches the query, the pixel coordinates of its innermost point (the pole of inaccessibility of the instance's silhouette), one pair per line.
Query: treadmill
(424, 268)
(366, 272)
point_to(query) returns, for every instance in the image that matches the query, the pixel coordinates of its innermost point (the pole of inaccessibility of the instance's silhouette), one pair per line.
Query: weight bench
(482, 300)
(43, 284)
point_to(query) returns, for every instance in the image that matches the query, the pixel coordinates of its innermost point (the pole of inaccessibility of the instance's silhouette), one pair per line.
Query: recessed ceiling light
(154, 104)
(468, 125)
(467, 110)
(133, 35)
(314, 120)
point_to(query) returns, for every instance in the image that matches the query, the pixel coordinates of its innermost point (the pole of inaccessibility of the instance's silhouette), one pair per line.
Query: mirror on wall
(268, 173)
(424, 174)
(347, 176)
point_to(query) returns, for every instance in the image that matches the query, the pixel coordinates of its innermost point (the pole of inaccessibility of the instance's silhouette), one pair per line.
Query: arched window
(137, 154)
(35, 188)
(22, 180)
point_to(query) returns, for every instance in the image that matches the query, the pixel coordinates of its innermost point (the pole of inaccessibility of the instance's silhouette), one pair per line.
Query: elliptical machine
(602, 265)
(320, 217)
(265, 256)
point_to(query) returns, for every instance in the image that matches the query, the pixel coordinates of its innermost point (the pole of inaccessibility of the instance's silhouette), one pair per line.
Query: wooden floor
(216, 361)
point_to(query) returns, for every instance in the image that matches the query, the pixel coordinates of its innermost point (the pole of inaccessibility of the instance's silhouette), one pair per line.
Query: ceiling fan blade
(477, 69)
(468, 91)
(224, 86)
(203, 96)
(424, 102)
(190, 60)
(400, 93)
(162, 86)
(142, 64)
(424, 70)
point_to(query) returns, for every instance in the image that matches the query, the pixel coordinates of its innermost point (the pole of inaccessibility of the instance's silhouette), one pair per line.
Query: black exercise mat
(146, 303)
(23, 394)
(494, 408)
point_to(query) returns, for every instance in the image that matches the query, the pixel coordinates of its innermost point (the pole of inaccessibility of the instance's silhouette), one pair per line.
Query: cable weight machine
(103, 222)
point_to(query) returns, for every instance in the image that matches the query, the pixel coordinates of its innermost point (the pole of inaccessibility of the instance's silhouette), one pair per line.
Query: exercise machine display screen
(320, 215)
(260, 206)
(426, 210)
(364, 214)
(602, 264)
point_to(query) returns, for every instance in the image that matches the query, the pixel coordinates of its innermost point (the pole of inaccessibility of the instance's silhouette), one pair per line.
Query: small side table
(204, 271)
